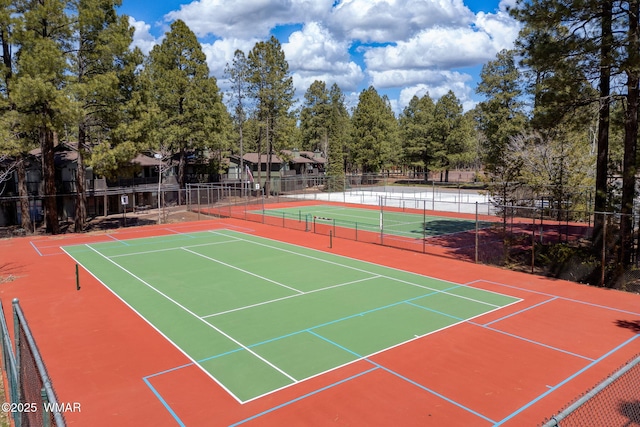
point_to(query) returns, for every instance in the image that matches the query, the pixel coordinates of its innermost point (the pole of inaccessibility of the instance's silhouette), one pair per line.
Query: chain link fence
(32, 399)
(613, 402)
(535, 236)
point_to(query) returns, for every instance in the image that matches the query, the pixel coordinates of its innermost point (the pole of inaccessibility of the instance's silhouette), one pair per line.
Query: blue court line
(275, 408)
(36, 249)
(328, 323)
(521, 311)
(503, 332)
(186, 365)
(164, 403)
(554, 388)
(410, 381)
(308, 330)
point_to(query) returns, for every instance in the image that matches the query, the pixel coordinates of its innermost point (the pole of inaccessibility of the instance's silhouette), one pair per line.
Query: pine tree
(40, 90)
(339, 130)
(185, 99)
(238, 74)
(374, 132)
(416, 123)
(101, 60)
(272, 88)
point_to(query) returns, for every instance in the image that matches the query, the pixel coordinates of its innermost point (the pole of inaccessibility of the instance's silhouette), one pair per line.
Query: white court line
(368, 272)
(220, 331)
(289, 296)
(242, 270)
(173, 249)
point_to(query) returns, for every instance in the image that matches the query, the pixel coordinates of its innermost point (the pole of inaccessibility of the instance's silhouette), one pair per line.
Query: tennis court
(234, 323)
(405, 224)
(259, 315)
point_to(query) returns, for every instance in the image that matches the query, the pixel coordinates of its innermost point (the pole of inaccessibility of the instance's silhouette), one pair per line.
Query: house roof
(253, 158)
(144, 160)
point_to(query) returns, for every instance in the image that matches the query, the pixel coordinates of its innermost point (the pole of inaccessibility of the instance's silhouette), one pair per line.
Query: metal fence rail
(613, 402)
(33, 401)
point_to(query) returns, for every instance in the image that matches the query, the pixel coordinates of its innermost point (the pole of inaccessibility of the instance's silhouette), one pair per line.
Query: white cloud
(142, 38)
(391, 20)
(436, 90)
(246, 18)
(220, 53)
(446, 48)
(314, 54)
(409, 45)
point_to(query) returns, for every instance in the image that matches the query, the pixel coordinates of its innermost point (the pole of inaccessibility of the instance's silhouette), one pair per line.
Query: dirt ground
(169, 216)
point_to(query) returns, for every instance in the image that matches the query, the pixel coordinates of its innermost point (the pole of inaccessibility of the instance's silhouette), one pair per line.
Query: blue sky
(401, 47)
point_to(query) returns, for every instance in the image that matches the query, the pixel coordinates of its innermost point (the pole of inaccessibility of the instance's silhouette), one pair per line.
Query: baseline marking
(289, 296)
(243, 270)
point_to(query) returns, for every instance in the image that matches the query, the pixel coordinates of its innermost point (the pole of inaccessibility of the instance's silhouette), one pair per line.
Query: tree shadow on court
(439, 227)
(631, 410)
(633, 325)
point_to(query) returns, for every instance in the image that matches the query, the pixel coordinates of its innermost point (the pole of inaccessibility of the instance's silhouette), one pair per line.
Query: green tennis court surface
(397, 223)
(259, 315)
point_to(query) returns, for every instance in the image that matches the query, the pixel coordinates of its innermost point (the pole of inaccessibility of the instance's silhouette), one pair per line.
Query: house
(139, 181)
(290, 169)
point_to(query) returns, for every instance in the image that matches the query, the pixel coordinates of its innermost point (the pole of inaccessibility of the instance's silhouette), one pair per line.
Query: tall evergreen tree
(339, 130)
(40, 90)
(238, 74)
(14, 142)
(416, 123)
(100, 59)
(452, 134)
(374, 131)
(314, 117)
(501, 115)
(272, 88)
(190, 113)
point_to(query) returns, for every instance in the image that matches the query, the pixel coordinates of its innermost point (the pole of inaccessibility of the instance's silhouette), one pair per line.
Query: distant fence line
(537, 235)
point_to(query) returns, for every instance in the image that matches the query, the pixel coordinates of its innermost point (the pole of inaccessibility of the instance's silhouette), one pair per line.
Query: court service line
(369, 272)
(172, 249)
(220, 331)
(290, 296)
(36, 249)
(521, 311)
(243, 271)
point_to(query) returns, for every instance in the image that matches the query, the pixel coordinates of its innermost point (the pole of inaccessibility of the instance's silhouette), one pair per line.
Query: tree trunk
(182, 170)
(23, 192)
(630, 137)
(259, 175)
(267, 185)
(81, 203)
(600, 202)
(49, 178)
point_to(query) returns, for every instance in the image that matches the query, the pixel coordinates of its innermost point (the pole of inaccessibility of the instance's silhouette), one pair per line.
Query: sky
(401, 47)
